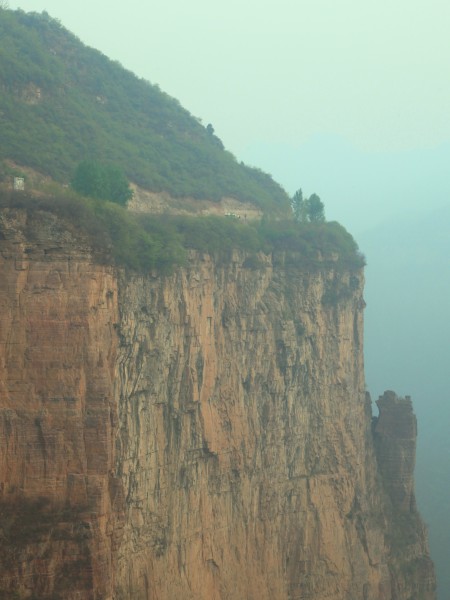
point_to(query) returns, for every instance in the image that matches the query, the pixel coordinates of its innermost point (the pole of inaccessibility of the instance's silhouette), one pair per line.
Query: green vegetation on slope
(63, 105)
(104, 182)
(62, 102)
(154, 242)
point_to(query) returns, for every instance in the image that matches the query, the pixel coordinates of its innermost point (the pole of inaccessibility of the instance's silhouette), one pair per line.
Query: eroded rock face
(395, 436)
(199, 436)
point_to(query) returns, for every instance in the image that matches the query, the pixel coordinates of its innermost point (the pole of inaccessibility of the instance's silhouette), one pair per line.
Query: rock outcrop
(395, 440)
(395, 433)
(204, 435)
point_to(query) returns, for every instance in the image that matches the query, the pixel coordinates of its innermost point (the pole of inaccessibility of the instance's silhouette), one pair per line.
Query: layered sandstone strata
(204, 435)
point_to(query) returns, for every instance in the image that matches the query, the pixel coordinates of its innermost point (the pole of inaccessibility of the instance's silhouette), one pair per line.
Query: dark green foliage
(88, 180)
(315, 209)
(313, 245)
(105, 182)
(147, 242)
(307, 209)
(218, 234)
(299, 207)
(115, 235)
(61, 101)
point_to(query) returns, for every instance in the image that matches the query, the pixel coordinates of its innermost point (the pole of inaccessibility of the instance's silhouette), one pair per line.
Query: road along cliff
(204, 435)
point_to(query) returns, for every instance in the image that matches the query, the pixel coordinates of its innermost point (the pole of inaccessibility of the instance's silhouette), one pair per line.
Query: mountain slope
(61, 102)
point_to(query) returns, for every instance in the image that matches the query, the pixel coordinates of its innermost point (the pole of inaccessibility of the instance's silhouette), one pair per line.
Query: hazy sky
(327, 95)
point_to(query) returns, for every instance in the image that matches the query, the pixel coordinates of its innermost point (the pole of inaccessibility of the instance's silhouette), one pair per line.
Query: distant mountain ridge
(62, 102)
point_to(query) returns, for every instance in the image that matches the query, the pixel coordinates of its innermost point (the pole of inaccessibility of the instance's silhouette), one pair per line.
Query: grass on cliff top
(159, 242)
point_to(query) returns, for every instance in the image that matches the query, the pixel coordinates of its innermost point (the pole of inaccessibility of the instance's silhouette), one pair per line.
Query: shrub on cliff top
(146, 242)
(104, 182)
(115, 235)
(315, 245)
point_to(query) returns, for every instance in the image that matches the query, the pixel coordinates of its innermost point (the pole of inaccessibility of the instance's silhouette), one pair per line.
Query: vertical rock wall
(58, 417)
(250, 470)
(199, 436)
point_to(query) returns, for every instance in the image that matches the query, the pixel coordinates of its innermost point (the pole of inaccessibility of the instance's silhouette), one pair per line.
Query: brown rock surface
(395, 442)
(58, 415)
(199, 436)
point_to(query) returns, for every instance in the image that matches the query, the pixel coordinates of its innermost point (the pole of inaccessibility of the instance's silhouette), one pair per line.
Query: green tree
(117, 185)
(88, 179)
(315, 209)
(105, 182)
(307, 209)
(299, 207)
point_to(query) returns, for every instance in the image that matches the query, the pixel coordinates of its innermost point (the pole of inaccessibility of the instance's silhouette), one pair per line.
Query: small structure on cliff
(19, 184)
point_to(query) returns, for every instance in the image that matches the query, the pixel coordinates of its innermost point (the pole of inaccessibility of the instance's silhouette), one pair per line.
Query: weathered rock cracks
(199, 436)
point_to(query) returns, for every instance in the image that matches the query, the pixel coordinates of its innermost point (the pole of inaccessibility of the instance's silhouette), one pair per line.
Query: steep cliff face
(58, 416)
(204, 435)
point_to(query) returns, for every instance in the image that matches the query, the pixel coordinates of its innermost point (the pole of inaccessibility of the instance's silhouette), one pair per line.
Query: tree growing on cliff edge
(104, 182)
(306, 210)
(315, 209)
(299, 207)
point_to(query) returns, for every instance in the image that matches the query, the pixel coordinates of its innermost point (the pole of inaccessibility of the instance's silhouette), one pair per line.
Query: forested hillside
(62, 102)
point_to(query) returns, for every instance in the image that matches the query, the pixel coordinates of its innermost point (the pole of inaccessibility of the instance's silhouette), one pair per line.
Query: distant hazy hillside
(61, 102)
(407, 333)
